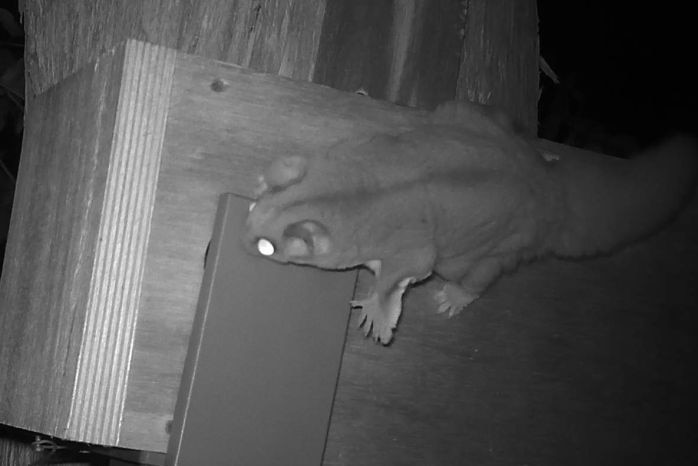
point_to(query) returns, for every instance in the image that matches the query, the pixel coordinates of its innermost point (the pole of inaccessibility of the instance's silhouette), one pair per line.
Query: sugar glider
(463, 197)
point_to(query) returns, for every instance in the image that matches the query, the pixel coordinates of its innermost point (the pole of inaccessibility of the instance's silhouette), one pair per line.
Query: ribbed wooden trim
(107, 343)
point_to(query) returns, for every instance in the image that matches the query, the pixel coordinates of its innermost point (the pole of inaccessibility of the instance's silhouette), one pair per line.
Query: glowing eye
(265, 247)
(252, 205)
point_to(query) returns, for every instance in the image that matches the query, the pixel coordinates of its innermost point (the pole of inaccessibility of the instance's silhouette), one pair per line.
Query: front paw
(375, 319)
(453, 299)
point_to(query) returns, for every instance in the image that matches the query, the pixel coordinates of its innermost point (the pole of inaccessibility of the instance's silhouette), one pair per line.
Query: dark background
(627, 71)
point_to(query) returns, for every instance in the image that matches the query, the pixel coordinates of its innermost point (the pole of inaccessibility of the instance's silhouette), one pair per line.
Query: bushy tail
(611, 202)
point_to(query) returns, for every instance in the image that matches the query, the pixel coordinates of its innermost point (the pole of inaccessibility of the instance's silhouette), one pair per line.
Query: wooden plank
(406, 52)
(70, 288)
(225, 123)
(51, 248)
(499, 62)
(275, 36)
(263, 358)
(219, 141)
(583, 362)
(124, 232)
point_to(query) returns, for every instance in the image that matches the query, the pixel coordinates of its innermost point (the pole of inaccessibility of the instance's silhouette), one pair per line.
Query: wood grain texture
(499, 61)
(406, 52)
(16, 448)
(71, 282)
(225, 123)
(124, 230)
(274, 36)
(51, 247)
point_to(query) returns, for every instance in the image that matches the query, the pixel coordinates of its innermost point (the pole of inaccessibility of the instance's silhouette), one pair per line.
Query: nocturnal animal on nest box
(463, 197)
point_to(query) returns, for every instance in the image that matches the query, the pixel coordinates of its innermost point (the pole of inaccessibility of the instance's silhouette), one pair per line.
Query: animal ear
(306, 238)
(283, 172)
